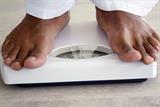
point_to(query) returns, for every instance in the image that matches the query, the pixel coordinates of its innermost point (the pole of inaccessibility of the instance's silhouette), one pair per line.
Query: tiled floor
(114, 95)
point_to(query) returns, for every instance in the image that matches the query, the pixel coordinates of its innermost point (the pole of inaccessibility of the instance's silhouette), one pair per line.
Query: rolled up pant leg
(47, 9)
(137, 7)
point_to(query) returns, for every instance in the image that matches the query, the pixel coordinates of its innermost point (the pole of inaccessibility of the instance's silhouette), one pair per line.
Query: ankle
(31, 20)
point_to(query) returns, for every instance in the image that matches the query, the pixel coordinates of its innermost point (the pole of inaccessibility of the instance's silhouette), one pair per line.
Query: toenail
(131, 52)
(8, 61)
(33, 58)
(155, 56)
(16, 63)
(16, 66)
(5, 56)
(8, 58)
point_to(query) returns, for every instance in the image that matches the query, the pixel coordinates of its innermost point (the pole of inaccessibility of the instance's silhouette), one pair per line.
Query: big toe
(130, 56)
(35, 60)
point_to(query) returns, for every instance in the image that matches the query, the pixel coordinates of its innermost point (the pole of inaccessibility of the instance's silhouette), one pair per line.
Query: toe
(7, 59)
(6, 49)
(12, 55)
(127, 53)
(146, 58)
(155, 35)
(130, 55)
(154, 42)
(5, 43)
(36, 59)
(17, 64)
(150, 50)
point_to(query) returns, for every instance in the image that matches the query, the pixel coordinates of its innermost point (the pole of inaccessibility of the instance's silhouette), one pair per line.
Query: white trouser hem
(136, 7)
(48, 13)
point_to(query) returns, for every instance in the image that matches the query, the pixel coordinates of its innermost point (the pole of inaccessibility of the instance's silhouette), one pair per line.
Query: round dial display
(81, 54)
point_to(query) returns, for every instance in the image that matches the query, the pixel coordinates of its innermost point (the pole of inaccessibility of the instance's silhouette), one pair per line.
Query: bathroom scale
(81, 55)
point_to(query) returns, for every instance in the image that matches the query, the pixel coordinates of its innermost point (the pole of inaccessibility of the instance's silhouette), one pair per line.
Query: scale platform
(81, 55)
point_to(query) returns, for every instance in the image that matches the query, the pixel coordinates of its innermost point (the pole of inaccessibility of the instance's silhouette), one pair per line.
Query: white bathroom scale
(81, 55)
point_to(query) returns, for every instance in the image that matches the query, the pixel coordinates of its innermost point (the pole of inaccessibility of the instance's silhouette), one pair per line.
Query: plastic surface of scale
(80, 54)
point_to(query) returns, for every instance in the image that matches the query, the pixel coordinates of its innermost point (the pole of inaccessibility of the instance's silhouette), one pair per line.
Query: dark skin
(129, 36)
(31, 41)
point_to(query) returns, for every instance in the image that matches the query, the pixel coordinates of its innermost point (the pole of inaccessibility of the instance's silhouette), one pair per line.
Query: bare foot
(30, 42)
(129, 36)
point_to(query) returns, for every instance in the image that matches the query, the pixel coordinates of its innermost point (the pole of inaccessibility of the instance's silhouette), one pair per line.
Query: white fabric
(137, 7)
(47, 9)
